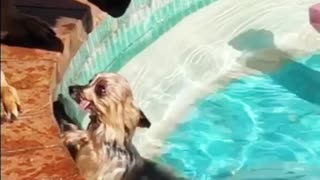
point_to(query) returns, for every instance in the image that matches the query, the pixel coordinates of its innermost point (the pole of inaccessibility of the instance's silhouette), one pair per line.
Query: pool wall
(115, 41)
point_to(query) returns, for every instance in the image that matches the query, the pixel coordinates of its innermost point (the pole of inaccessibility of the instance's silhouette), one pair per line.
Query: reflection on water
(258, 127)
(267, 58)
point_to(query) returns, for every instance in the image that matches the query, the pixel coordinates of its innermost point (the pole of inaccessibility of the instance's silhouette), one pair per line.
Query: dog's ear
(143, 121)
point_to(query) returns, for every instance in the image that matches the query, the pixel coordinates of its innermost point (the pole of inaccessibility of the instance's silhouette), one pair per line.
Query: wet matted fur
(105, 149)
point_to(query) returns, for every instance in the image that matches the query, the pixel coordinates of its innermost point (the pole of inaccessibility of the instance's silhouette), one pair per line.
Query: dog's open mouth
(85, 105)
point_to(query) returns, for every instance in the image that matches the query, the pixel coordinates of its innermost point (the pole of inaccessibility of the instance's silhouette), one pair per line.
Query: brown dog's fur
(105, 150)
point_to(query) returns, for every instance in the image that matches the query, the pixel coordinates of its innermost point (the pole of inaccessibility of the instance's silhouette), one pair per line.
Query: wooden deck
(30, 147)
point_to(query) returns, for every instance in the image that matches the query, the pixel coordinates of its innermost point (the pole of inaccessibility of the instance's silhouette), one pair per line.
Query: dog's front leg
(9, 99)
(17, 26)
(75, 138)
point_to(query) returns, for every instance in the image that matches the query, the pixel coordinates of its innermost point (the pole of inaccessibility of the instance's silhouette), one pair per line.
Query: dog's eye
(100, 90)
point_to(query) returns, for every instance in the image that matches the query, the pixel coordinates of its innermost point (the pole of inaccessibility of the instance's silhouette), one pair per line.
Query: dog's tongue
(84, 105)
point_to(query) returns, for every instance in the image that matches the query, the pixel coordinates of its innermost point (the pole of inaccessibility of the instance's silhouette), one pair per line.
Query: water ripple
(251, 127)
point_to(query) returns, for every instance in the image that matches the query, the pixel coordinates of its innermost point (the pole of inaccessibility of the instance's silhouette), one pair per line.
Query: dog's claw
(11, 103)
(75, 137)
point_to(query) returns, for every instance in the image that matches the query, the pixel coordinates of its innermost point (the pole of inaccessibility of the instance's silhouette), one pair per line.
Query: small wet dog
(105, 149)
(24, 28)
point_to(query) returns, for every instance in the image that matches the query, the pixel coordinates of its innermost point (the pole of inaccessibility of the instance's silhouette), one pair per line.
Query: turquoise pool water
(258, 127)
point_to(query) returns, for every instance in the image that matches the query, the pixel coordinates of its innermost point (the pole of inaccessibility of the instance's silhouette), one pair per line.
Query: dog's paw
(24, 27)
(10, 103)
(75, 138)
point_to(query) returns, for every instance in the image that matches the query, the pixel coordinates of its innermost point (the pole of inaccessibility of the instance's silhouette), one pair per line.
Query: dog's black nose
(71, 90)
(74, 89)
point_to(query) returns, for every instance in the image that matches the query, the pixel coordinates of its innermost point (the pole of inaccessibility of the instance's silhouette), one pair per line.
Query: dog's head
(108, 96)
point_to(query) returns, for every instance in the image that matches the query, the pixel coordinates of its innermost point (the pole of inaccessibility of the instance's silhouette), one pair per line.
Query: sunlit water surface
(258, 127)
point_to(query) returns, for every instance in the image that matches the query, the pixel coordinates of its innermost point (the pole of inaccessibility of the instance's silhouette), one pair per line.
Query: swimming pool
(246, 101)
(257, 127)
(230, 89)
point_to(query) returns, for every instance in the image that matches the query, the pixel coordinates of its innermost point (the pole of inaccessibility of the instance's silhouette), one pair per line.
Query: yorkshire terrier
(105, 149)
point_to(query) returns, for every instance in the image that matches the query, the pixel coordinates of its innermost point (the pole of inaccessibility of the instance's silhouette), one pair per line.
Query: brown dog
(21, 27)
(105, 150)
